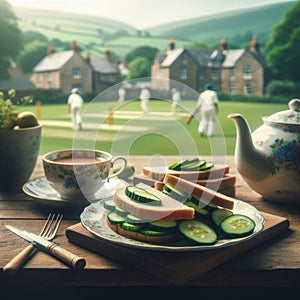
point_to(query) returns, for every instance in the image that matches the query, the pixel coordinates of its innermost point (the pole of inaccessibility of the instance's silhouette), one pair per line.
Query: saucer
(41, 191)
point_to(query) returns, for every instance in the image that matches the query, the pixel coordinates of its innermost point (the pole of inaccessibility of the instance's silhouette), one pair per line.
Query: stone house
(64, 70)
(105, 74)
(19, 81)
(233, 71)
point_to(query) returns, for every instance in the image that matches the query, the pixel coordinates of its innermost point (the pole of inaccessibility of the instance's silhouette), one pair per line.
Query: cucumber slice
(140, 195)
(175, 165)
(174, 193)
(207, 166)
(198, 232)
(179, 165)
(109, 204)
(129, 190)
(219, 214)
(120, 211)
(134, 220)
(199, 203)
(195, 166)
(114, 218)
(150, 232)
(163, 225)
(131, 227)
(237, 225)
(197, 208)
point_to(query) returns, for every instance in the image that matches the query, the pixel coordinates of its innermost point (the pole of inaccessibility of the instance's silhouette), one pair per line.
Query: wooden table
(275, 263)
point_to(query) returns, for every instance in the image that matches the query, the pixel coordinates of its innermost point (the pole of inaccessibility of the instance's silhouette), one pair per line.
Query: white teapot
(269, 158)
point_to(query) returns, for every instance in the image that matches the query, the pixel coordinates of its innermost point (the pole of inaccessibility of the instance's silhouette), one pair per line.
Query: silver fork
(48, 232)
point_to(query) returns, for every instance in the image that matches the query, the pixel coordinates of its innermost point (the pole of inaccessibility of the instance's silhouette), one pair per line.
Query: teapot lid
(290, 116)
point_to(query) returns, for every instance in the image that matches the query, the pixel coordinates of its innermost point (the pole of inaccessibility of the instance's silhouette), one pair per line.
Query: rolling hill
(95, 33)
(259, 21)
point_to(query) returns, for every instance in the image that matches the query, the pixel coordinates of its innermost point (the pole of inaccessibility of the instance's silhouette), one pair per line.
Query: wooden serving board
(178, 267)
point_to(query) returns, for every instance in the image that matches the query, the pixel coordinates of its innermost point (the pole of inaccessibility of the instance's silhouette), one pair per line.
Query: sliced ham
(170, 209)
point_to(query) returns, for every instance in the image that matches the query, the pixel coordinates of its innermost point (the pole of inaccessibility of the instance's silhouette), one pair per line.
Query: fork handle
(71, 259)
(15, 264)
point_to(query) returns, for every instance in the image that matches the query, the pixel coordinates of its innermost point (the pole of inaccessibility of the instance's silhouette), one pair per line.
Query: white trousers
(207, 122)
(76, 118)
(144, 106)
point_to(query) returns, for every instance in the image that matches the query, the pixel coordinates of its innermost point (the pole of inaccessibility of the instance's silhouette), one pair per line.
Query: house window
(49, 76)
(41, 77)
(201, 74)
(232, 88)
(232, 73)
(101, 77)
(247, 88)
(183, 73)
(183, 58)
(247, 72)
(214, 74)
(76, 73)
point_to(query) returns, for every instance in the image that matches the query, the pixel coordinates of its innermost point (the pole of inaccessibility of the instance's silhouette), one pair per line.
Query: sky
(144, 13)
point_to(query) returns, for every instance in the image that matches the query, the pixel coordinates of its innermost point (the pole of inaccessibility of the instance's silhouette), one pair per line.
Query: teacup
(80, 173)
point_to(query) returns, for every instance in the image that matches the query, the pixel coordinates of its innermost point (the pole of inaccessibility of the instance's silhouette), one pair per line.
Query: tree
(143, 51)
(10, 38)
(32, 54)
(283, 49)
(139, 68)
(30, 36)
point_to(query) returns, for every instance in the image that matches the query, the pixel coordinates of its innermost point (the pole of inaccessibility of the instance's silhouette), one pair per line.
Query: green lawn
(157, 133)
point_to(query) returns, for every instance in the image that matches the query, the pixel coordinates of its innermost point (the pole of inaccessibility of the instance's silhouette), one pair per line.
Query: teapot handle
(294, 105)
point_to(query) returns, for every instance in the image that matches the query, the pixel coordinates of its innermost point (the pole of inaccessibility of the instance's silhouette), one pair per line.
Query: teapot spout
(250, 162)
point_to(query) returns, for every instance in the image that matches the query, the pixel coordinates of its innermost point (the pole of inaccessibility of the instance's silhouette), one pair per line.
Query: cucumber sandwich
(160, 217)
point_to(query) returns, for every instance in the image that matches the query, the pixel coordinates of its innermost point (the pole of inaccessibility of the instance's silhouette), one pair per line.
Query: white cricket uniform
(207, 102)
(75, 101)
(144, 97)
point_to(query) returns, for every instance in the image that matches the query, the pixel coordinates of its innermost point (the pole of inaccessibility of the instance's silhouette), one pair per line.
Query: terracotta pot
(19, 150)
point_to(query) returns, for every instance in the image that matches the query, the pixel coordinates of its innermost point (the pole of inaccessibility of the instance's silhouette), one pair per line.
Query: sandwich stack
(205, 173)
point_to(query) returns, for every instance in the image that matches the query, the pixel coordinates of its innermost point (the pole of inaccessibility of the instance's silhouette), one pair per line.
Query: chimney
(254, 45)
(88, 57)
(74, 46)
(222, 45)
(50, 50)
(107, 53)
(172, 44)
(125, 63)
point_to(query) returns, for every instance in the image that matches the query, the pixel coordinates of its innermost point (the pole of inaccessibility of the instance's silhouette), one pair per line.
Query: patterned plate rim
(93, 218)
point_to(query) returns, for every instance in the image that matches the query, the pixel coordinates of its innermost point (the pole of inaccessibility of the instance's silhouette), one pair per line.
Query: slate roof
(203, 57)
(102, 65)
(17, 80)
(53, 61)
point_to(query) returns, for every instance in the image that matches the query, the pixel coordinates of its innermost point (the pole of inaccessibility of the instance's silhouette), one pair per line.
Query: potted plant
(20, 136)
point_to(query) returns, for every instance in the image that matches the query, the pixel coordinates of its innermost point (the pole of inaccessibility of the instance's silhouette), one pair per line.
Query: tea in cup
(80, 173)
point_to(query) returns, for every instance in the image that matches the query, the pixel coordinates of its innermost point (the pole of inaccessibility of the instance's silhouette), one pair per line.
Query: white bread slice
(206, 195)
(158, 173)
(170, 209)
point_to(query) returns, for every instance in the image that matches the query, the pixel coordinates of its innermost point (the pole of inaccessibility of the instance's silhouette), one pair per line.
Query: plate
(42, 192)
(93, 218)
